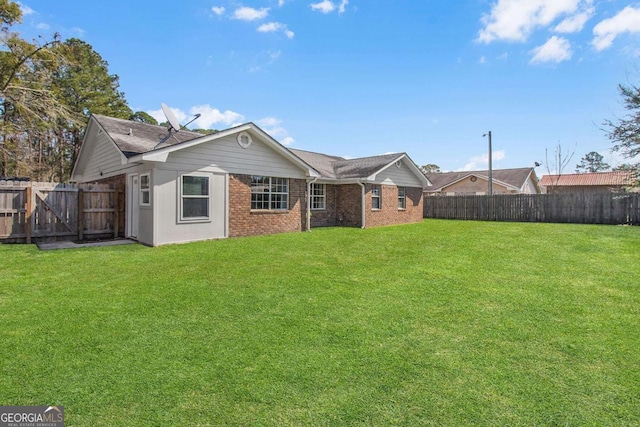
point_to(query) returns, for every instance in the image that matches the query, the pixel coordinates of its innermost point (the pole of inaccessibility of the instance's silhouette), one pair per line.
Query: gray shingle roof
(515, 177)
(134, 137)
(335, 167)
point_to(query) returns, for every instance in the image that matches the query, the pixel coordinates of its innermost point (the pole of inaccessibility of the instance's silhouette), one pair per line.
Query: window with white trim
(194, 197)
(145, 189)
(402, 198)
(376, 200)
(318, 196)
(269, 193)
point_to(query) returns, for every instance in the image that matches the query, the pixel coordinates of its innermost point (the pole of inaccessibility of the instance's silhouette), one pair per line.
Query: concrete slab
(73, 245)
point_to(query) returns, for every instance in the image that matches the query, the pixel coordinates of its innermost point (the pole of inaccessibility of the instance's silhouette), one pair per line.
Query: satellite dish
(171, 118)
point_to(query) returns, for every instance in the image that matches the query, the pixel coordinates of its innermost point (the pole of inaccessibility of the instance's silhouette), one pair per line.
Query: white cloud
(26, 10)
(250, 14)
(482, 162)
(218, 10)
(575, 23)
(79, 31)
(482, 60)
(328, 6)
(208, 119)
(273, 127)
(43, 26)
(160, 117)
(272, 27)
(515, 20)
(325, 6)
(343, 6)
(626, 21)
(556, 49)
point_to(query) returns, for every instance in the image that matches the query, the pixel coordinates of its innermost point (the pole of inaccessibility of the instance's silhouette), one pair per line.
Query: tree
(143, 117)
(625, 133)
(28, 105)
(431, 168)
(592, 162)
(205, 131)
(559, 162)
(84, 84)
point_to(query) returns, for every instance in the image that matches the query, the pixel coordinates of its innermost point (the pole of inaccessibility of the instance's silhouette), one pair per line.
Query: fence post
(80, 214)
(28, 215)
(116, 212)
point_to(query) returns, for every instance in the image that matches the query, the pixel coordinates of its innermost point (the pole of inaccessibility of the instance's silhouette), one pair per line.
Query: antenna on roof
(171, 118)
(195, 117)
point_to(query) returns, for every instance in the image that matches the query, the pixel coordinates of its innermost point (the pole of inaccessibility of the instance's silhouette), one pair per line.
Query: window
(402, 198)
(145, 193)
(269, 193)
(194, 197)
(318, 196)
(376, 202)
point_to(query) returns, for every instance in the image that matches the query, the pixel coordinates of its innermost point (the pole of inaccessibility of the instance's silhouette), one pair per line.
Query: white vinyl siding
(100, 159)
(401, 177)
(226, 156)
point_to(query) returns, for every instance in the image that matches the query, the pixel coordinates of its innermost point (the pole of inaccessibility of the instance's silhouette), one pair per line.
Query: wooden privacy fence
(606, 208)
(39, 211)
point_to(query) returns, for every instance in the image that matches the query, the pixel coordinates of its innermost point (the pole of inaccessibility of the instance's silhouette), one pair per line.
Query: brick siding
(245, 222)
(349, 205)
(390, 214)
(326, 217)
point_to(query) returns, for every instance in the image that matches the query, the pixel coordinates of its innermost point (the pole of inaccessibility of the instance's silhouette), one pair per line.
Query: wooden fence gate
(38, 211)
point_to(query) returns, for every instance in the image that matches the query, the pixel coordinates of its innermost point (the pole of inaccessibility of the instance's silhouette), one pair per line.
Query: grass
(439, 323)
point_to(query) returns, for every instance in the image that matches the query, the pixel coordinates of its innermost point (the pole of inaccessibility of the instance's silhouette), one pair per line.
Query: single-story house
(505, 181)
(185, 186)
(592, 182)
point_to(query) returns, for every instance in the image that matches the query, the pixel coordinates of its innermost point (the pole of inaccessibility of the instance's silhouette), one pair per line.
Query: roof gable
(145, 142)
(363, 168)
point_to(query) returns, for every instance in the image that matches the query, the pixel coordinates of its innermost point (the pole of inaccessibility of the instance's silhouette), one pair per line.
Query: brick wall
(390, 214)
(327, 217)
(349, 205)
(245, 222)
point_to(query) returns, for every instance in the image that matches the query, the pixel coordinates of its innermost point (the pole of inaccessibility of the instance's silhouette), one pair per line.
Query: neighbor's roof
(516, 177)
(588, 179)
(133, 137)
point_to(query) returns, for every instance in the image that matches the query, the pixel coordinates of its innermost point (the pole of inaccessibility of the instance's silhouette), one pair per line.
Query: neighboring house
(186, 186)
(595, 182)
(505, 181)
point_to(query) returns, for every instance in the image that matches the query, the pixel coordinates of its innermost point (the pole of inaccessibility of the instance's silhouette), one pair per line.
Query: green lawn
(438, 323)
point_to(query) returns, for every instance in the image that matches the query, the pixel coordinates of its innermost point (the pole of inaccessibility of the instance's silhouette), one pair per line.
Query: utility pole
(490, 165)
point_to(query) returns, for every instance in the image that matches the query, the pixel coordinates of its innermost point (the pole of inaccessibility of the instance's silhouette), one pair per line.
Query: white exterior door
(134, 205)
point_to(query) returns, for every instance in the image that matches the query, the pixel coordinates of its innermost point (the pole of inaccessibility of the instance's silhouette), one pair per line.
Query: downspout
(363, 202)
(309, 202)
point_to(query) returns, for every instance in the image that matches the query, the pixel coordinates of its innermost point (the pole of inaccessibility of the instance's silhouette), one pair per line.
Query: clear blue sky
(365, 77)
